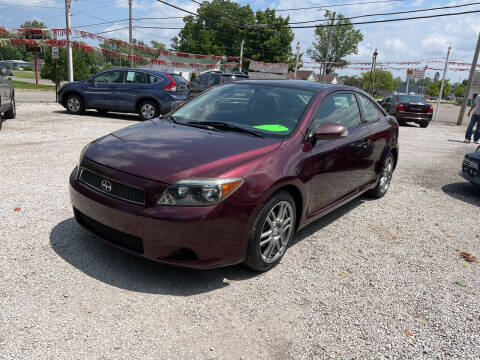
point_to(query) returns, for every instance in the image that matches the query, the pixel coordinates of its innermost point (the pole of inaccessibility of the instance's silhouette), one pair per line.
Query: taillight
(172, 85)
(400, 107)
(430, 111)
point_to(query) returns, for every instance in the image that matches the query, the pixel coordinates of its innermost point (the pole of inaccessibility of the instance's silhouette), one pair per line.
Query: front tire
(148, 110)
(385, 178)
(12, 113)
(74, 104)
(271, 233)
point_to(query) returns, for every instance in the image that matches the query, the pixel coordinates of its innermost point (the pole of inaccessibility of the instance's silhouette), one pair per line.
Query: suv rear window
(178, 78)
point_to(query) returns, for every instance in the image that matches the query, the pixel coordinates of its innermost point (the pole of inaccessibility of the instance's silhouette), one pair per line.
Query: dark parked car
(148, 93)
(231, 175)
(470, 167)
(212, 78)
(7, 98)
(409, 108)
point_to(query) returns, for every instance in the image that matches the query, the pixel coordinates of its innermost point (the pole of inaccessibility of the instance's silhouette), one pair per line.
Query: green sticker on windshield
(272, 127)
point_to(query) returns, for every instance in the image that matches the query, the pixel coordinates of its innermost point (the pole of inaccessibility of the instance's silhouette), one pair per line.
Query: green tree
(157, 45)
(222, 25)
(383, 80)
(345, 40)
(354, 81)
(84, 64)
(434, 88)
(459, 90)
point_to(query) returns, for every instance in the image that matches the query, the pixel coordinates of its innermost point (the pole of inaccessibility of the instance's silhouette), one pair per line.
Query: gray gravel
(351, 286)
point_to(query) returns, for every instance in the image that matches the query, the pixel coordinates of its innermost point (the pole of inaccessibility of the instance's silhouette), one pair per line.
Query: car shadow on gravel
(112, 266)
(328, 219)
(109, 115)
(463, 191)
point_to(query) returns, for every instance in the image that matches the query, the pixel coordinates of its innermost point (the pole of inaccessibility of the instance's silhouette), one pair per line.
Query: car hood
(167, 152)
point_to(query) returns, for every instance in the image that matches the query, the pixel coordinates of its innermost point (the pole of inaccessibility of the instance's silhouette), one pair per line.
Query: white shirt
(476, 111)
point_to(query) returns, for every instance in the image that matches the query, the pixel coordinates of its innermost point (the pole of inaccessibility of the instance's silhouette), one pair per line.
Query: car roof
(153, 72)
(301, 84)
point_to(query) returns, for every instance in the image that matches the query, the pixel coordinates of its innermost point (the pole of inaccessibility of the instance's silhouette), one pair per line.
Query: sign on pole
(415, 73)
(54, 52)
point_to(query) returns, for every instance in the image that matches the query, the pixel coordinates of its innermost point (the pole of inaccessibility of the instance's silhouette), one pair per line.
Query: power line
(135, 19)
(335, 5)
(389, 20)
(391, 13)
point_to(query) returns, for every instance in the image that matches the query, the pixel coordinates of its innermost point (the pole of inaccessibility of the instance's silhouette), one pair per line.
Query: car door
(376, 135)
(3, 90)
(335, 170)
(134, 85)
(101, 90)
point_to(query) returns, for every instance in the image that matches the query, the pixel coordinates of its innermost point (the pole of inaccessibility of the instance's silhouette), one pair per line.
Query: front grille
(127, 241)
(117, 190)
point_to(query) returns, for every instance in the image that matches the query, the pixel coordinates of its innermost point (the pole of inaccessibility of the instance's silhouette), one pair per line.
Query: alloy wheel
(276, 232)
(148, 111)
(386, 176)
(73, 104)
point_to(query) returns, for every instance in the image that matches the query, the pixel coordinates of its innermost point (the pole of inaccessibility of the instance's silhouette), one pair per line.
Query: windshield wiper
(224, 126)
(173, 119)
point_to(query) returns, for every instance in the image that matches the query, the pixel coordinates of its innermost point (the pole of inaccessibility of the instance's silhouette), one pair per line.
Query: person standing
(475, 120)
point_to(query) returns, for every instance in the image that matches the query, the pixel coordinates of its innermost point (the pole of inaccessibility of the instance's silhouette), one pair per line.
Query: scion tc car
(231, 174)
(146, 92)
(409, 108)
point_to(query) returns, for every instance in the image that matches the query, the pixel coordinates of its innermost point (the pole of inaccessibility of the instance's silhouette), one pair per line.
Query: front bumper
(196, 237)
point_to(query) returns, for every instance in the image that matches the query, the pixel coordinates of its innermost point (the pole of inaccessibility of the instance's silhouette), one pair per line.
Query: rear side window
(370, 111)
(339, 109)
(134, 77)
(151, 79)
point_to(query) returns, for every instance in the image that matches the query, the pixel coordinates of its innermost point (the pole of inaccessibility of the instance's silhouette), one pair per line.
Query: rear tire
(1, 120)
(148, 110)
(74, 104)
(384, 178)
(423, 125)
(12, 113)
(271, 233)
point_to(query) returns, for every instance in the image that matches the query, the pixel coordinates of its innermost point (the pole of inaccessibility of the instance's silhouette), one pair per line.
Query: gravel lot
(374, 279)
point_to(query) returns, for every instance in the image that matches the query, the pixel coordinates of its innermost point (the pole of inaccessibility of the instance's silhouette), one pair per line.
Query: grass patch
(25, 74)
(24, 85)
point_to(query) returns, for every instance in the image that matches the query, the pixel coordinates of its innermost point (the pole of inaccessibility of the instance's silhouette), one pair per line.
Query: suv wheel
(74, 104)
(271, 233)
(12, 113)
(148, 110)
(423, 124)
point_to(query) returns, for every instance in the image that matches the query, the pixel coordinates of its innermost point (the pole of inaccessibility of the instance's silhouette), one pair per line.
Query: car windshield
(411, 99)
(270, 111)
(178, 78)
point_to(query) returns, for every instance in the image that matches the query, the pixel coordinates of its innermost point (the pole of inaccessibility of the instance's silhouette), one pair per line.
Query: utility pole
(296, 59)
(408, 81)
(130, 31)
(69, 40)
(329, 45)
(469, 83)
(443, 83)
(371, 83)
(241, 54)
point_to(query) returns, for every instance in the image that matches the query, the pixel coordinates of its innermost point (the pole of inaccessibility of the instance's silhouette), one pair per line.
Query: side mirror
(329, 131)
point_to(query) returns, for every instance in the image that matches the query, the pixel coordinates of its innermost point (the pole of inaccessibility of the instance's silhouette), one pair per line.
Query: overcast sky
(399, 41)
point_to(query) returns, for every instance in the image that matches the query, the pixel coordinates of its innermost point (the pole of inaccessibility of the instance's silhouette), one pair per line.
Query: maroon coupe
(231, 175)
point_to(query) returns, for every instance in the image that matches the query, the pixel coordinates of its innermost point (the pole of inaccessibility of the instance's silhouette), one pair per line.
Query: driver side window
(109, 77)
(339, 109)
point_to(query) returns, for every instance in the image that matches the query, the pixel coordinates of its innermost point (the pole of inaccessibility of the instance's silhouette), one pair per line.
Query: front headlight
(199, 192)
(81, 158)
